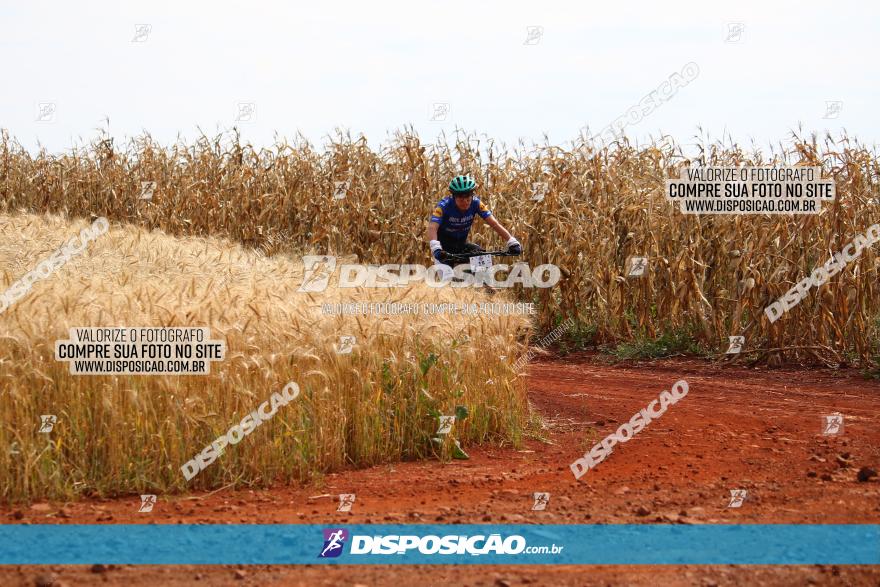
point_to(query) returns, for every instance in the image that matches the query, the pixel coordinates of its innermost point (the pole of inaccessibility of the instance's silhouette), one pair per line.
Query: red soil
(738, 428)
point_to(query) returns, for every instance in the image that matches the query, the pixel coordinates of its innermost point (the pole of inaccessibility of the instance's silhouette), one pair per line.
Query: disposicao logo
(334, 541)
(318, 270)
(411, 545)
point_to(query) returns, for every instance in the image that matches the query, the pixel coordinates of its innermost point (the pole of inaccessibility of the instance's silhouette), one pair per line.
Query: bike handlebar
(481, 253)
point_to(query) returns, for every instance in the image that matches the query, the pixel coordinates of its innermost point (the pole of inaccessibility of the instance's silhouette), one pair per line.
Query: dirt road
(738, 428)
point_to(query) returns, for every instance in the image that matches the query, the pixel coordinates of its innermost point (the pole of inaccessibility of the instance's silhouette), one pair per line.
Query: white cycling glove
(435, 248)
(513, 247)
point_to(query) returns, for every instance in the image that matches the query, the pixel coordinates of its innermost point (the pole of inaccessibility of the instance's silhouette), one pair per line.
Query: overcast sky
(373, 67)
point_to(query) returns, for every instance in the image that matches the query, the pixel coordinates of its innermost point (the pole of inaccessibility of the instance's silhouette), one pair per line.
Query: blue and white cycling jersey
(455, 225)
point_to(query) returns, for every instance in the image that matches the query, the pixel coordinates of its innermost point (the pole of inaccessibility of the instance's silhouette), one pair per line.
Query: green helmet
(461, 184)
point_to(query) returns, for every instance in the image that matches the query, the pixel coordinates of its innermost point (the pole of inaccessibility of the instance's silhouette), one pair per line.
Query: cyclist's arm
(436, 248)
(433, 227)
(496, 226)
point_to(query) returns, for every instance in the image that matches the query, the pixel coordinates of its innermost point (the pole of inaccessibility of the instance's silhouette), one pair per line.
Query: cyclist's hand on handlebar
(438, 253)
(513, 246)
(442, 256)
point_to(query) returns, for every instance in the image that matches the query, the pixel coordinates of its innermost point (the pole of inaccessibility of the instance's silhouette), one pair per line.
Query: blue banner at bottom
(625, 544)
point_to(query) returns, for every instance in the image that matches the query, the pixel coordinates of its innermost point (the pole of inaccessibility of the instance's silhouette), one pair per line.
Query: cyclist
(450, 223)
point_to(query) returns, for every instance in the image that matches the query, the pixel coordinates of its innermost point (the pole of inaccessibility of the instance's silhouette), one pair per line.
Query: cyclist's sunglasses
(463, 195)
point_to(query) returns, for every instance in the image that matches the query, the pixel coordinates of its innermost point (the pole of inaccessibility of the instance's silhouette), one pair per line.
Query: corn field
(709, 277)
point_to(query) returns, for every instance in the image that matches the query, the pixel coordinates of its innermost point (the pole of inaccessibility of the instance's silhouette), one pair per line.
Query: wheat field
(129, 434)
